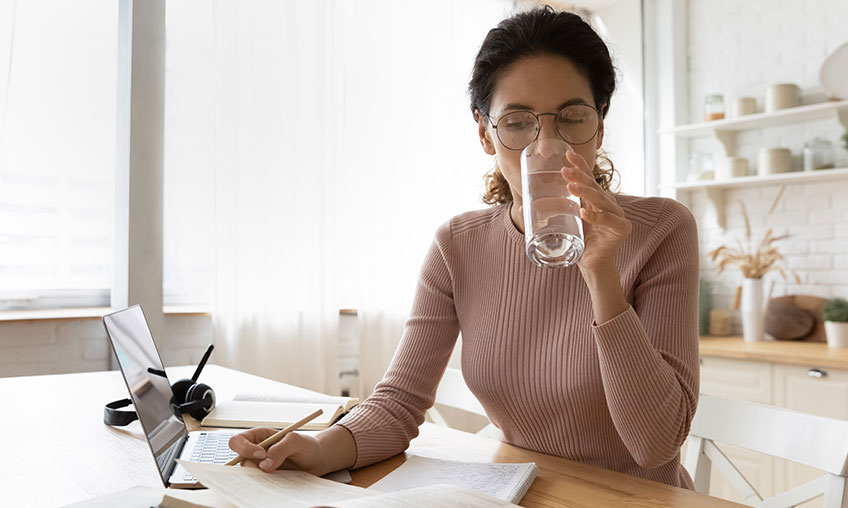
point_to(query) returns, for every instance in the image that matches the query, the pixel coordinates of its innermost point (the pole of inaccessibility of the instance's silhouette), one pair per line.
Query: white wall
(57, 346)
(737, 49)
(619, 23)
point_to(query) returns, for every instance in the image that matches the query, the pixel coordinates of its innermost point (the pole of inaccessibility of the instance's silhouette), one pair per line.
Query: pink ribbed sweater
(618, 395)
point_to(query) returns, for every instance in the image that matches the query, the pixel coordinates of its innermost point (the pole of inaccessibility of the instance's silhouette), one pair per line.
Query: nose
(547, 126)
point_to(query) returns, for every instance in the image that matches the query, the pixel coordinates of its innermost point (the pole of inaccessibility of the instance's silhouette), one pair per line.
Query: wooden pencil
(274, 439)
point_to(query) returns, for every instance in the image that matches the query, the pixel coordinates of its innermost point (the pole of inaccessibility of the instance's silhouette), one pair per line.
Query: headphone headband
(113, 416)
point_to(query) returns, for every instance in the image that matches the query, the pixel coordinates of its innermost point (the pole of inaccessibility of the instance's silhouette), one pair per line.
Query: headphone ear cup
(180, 389)
(201, 392)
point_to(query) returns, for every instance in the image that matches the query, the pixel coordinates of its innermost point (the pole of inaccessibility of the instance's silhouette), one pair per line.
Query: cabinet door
(741, 380)
(801, 389)
(737, 379)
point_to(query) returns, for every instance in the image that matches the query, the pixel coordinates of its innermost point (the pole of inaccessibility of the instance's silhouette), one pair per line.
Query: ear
(600, 136)
(484, 132)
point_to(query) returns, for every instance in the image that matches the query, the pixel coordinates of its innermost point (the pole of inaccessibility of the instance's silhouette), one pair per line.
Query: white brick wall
(738, 49)
(56, 346)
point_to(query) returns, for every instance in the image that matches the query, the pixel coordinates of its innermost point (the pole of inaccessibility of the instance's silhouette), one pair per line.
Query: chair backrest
(816, 441)
(453, 392)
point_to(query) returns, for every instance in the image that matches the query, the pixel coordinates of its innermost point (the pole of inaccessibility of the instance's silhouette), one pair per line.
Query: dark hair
(541, 31)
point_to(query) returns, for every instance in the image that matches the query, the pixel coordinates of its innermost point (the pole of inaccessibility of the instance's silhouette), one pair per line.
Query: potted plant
(835, 315)
(754, 258)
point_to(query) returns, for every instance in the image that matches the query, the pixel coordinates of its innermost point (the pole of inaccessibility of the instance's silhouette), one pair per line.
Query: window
(58, 72)
(188, 234)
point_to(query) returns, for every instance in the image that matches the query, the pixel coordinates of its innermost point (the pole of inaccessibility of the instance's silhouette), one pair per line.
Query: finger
(574, 174)
(290, 445)
(578, 162)
(245, 443)
(605, 220)
(250, 463)
(596, 196)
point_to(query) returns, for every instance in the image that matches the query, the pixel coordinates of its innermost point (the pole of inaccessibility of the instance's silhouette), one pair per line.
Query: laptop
(150, 390)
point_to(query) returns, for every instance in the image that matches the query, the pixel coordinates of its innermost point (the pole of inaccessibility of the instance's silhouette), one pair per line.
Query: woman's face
(541, 84)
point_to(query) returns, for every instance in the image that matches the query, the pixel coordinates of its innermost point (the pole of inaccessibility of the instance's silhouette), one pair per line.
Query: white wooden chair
(453, 392)
(816, 441)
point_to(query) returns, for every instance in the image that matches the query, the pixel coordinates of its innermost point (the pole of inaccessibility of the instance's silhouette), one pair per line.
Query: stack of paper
(244, 487)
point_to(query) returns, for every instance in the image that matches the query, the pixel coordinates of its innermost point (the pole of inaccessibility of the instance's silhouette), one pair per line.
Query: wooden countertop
(807, 354)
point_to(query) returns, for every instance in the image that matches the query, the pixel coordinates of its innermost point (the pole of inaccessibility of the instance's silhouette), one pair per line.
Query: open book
(243, 487)
(508, 482)
(248, 410)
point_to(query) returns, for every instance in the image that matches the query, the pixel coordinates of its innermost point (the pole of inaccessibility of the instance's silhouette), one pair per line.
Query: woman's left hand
(605, 226)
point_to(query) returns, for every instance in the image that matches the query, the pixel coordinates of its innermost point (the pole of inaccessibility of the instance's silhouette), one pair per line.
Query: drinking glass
(553, 231)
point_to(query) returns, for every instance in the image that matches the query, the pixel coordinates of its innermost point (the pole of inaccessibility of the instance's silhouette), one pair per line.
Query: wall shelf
(725, 130)
(715, 189)
(807, 113)
(749, 181)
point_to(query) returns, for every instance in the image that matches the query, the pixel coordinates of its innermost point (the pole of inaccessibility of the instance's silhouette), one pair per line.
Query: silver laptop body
(151, 394)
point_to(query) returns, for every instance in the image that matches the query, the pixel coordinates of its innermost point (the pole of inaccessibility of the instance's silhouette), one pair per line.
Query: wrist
(599, 270)
(337, 448)
(604, 283)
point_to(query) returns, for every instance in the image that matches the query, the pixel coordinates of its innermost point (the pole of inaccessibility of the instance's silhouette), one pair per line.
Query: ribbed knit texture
(618, 395)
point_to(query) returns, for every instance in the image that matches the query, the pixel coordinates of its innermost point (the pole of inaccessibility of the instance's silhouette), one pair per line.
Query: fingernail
(569, 169)
(266, 464)
(259, 454)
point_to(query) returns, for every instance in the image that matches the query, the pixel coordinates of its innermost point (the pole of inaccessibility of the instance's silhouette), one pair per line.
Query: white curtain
(343, 138)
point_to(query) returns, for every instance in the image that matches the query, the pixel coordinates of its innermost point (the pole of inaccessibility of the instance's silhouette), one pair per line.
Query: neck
(514, 213)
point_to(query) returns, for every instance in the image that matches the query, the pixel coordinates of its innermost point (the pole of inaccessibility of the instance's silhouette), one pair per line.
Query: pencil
(271, 441)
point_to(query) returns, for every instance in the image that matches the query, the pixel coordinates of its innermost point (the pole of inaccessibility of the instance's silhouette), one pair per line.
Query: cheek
(587, 151)
(510, 164)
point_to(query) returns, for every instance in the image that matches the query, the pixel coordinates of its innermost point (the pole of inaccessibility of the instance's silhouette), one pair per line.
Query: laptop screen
(149, 389)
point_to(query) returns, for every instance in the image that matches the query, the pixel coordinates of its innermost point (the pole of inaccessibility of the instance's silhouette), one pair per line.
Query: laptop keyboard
(211, 448)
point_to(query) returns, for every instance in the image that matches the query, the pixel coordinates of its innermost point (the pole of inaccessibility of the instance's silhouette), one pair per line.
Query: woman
(597, 363)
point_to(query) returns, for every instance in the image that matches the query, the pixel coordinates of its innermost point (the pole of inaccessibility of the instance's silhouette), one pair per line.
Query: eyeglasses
(576, 124)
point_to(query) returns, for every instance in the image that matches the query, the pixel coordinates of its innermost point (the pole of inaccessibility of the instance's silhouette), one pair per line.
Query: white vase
(837, 333)
(753, 310)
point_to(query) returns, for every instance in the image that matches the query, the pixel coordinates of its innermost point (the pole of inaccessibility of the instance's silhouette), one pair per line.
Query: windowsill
(92, 312)
(37, 314)
(170, 310)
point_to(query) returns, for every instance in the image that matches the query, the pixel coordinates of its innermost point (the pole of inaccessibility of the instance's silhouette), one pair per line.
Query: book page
(345, 402)
(428, 497)
(503, 481)
(201, 498)
(248, 487)
(243, 414)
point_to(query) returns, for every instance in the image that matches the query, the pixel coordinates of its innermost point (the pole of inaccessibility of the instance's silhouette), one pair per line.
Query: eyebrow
(569, 102)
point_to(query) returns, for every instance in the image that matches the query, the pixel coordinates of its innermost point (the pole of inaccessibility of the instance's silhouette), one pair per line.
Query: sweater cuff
(623, 333)
(373, 444)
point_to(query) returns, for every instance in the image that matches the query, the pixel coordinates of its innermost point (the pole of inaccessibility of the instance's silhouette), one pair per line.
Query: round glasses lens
(577, 124)
(517, 129)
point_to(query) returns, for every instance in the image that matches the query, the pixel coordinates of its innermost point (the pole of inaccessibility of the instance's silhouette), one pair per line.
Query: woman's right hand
(328, 451)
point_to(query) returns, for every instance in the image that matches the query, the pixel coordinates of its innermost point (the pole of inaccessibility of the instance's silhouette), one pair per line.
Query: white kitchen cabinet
(742, 380)
(737, 379)
(812, 390)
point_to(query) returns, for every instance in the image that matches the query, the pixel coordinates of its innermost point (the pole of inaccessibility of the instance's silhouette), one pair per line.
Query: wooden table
(56, 449)
(789, 352)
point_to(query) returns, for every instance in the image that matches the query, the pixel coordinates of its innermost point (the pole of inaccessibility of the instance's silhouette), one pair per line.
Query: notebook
(508, 482)
(245, 487)
(248, 410)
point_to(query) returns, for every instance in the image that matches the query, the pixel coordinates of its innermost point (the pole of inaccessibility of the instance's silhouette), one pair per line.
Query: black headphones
(189, 396)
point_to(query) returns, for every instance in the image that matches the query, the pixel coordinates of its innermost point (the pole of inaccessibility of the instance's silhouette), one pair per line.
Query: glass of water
(553, 231)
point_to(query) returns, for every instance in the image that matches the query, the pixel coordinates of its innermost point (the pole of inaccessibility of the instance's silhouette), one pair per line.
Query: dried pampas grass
(754, 259)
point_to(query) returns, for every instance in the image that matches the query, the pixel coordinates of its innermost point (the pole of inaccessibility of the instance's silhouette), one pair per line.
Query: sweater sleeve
(384, 423)
(648, 354)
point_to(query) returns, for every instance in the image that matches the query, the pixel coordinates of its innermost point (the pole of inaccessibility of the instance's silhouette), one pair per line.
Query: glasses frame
(539, 125)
